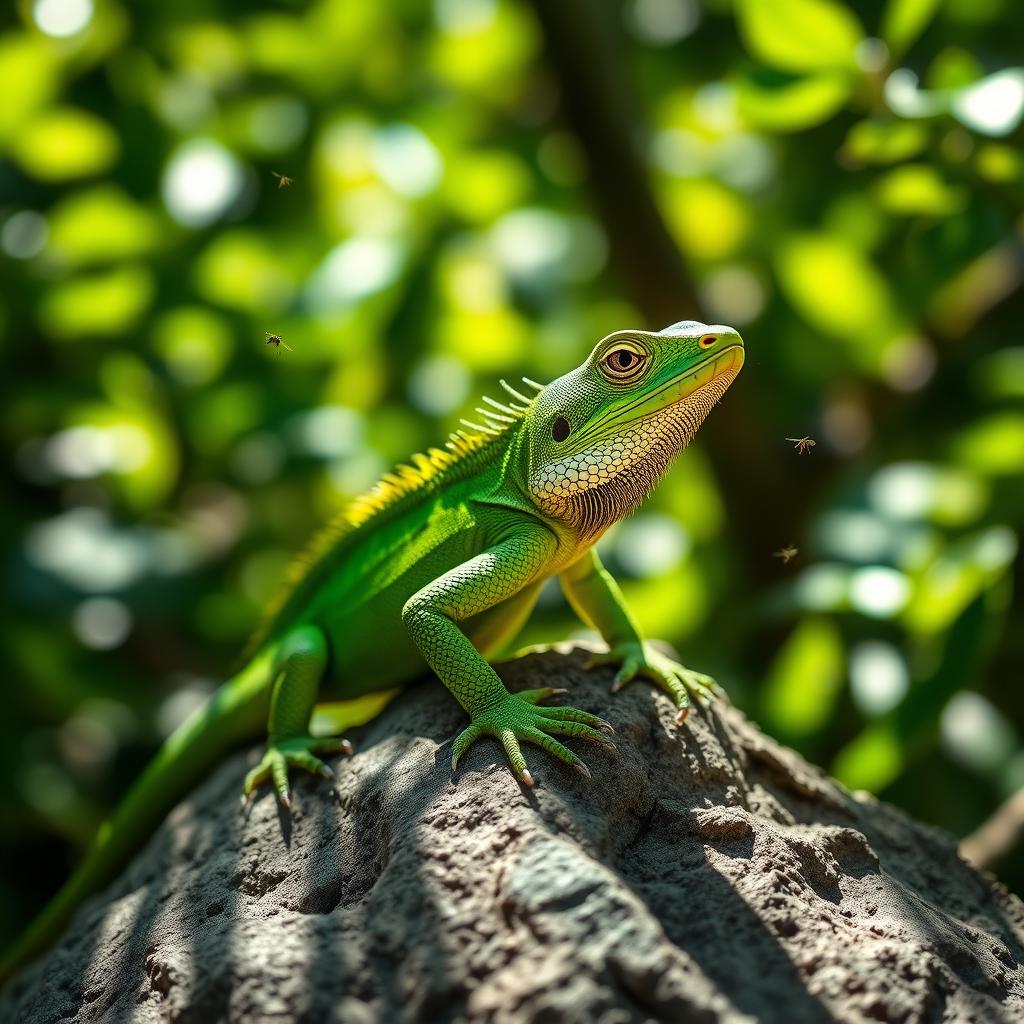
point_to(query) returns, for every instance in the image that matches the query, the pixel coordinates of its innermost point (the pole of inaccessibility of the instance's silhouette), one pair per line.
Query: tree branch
(991, 841)
(595, 93)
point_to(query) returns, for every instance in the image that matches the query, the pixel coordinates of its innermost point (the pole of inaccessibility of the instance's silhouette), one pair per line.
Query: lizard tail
(237, 711)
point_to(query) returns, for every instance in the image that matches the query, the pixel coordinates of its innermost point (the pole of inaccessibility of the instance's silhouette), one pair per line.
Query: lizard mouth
(721, 367)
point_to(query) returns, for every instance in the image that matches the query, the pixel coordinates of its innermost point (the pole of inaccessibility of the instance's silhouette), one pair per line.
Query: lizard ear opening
(560, 428)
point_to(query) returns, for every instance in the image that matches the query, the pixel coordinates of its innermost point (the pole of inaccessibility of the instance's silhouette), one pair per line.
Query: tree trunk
(704, 874)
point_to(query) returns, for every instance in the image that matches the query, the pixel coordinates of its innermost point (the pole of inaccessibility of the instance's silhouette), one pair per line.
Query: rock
(704, 874)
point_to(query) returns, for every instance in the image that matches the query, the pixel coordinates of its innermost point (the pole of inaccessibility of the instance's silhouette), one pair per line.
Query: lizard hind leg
(298, 673)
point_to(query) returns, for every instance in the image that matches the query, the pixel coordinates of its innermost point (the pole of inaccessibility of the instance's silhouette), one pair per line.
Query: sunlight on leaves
(792, 104)
(884, 142)
(107, 303)
(147, 465)
(999, 163)
(241, 270)
(952, 581)
(995, 105)
(800, 35)
(994, 444)
(903, 21)
(871, 761)
(482, 46)
(100, 224)
(32, 63)
(680, 590)
(507, 333)
(708, 219)
(977, 735)
(1001, 374)
(482, 185)
(66, 143)
(194, 342)
(919, 189)
(837, 290)
(805, 679)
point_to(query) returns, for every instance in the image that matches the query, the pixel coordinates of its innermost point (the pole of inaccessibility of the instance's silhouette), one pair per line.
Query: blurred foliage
(844, 182)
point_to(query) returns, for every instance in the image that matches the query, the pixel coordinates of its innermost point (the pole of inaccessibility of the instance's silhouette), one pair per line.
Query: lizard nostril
(708, 340)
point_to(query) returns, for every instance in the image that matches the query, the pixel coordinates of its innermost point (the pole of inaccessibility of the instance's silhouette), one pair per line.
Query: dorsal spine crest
(426, 471)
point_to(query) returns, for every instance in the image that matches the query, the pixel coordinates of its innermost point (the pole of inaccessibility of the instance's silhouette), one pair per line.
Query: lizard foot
(297, 752)
(640, 659)
(517, 717)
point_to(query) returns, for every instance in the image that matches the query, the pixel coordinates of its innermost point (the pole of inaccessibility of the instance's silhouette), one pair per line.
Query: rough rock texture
(704, 874)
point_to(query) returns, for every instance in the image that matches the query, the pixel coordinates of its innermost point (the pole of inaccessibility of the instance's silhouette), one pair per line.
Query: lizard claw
(293, 752)
(683, 685)
(518, 719)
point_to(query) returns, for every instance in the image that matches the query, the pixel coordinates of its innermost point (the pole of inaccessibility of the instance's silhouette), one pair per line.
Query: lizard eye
(622, 364)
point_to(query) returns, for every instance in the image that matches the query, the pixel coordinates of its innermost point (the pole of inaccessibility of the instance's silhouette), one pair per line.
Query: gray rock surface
(704, 874)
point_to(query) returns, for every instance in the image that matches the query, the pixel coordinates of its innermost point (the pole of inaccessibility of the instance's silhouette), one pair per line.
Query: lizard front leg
(298, 673)
(598, 601)
(432, 616)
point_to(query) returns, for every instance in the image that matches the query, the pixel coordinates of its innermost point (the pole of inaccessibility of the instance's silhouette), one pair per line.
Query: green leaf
(884, 142)
(953, 68)
(30, 67)
(968, 567)
(482, 185)
(805, 679)
(482, 55)
(194, 342)
(241, 270)
(1001, 374)
(66, 143)
(836, 289)
(870, 761)
(800, 35)
(709, 221)
(904, 21)
(998, 163)
(101, 304)
(98, 224)
(993, 445)
(794, 104)
(919, 189)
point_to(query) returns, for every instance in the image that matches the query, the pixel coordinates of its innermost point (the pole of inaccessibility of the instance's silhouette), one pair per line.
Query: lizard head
(601, 436)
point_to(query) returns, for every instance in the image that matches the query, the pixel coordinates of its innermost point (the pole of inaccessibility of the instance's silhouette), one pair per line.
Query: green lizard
(443, 562)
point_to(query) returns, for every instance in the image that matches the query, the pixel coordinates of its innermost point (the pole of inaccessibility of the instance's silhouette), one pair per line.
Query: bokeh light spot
(878, 676)
(329, 431)
(438, 384)
(354, 269)
(200, 182)
(101, 623)
(975, 733)
(24, 234)
(407, 160)
(649, 545)
(878, 591)
(663, 22)
(733, 295)
(62, 18)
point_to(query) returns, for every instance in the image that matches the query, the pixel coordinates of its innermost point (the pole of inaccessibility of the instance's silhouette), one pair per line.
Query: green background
(484, 188)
